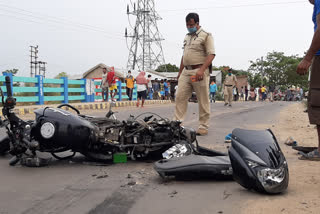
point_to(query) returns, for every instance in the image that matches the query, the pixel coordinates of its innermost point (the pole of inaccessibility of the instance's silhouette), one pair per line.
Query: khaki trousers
(186, 86)
(228, 94)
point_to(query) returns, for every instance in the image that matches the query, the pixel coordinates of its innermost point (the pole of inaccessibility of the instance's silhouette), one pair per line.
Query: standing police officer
(194, 72)
(229, 83)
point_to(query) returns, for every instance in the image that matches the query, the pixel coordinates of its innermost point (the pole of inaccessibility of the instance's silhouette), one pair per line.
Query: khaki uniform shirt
(197, 47)
(230, 80)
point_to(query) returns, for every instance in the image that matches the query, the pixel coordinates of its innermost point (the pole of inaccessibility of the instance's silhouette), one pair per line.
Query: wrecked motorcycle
(255, 161)
(55, 130)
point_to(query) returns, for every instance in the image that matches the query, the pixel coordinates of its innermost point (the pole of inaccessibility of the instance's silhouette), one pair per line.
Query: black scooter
(255, 161)
(55, 130)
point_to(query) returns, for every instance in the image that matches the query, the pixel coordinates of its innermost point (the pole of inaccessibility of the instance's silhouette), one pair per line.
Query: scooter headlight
(272, 178)
(47, 130)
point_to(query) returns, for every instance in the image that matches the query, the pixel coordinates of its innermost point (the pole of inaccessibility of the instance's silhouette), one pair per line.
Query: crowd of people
(161, 89)
(263, 93)
(146, 87)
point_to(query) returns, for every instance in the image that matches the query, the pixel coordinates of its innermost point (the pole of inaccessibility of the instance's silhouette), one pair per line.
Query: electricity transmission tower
(145, 52)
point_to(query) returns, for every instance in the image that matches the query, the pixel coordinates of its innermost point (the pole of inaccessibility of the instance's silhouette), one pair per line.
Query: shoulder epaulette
(204, 32)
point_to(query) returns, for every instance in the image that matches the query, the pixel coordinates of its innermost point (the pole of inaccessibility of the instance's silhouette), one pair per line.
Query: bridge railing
(40, 90)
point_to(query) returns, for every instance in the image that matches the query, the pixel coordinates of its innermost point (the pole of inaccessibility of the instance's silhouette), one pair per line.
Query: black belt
(192, 67)
(228, 85)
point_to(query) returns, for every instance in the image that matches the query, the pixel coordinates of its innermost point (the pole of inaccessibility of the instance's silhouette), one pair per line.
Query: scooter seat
(194, 166)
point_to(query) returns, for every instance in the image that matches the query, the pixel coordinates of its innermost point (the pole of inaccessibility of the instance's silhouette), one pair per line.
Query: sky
(75, 35)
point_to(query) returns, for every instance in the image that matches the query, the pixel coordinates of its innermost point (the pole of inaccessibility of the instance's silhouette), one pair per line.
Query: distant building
(96, 72)
(242, 81)
(154, 74)
(217, 77)
(170, 76)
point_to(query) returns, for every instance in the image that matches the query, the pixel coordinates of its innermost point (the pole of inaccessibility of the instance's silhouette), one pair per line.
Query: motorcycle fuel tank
(258, 162)
(57, 128)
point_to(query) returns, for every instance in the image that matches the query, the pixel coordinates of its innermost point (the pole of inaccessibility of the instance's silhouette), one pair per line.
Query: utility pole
(42, 68)
(33, 60)
(261, 67)
(36, 67)
(261, 70)
(145, 52)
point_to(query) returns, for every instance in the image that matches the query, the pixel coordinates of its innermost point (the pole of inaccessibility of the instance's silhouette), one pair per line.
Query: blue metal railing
(39, 90)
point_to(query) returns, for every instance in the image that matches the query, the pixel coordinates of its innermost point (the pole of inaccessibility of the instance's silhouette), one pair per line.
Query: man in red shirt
(111, 78)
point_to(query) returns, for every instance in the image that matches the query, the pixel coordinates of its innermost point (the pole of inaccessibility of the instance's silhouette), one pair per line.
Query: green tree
(14, 71)
(61, 74)
(255, 80)
(278, 69)
(167, 68)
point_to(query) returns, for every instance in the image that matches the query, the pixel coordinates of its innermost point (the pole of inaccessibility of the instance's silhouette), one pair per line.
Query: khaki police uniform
(197, 47)
(229, 83)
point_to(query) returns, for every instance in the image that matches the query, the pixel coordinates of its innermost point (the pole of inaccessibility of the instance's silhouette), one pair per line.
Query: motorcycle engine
(162, 134)
(112, 134)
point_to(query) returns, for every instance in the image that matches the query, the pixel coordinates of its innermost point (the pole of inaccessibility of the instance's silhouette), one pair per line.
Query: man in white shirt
(104, 84)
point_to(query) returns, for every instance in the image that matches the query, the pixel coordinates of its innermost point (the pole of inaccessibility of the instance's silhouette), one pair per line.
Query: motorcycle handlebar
(8, 86)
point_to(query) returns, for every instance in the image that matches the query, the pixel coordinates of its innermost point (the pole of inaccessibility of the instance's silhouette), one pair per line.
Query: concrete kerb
(23, 110)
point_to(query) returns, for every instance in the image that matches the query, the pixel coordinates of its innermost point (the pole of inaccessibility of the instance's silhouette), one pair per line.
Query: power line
(236, 6)
(57, 24)
(50, 18)
(61, 21)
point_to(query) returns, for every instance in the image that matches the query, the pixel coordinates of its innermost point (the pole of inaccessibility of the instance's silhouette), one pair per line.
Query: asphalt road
(79, 186)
